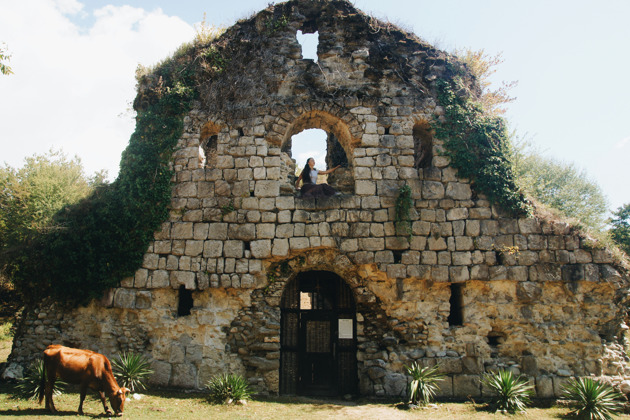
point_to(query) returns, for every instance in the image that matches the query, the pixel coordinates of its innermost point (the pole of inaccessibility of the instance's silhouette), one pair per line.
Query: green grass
(6, 338)
(194, 406)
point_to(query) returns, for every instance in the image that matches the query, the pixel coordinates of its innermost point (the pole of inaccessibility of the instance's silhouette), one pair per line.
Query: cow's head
(117, 400)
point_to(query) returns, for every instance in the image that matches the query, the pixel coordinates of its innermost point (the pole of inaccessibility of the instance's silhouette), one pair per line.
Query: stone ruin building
(324, 296)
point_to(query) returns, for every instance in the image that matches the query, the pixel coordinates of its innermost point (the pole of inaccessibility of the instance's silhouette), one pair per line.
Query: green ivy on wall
(102, 239)
(478, 147)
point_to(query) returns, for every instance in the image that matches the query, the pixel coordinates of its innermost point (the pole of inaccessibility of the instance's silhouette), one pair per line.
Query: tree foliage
(560, 185)
(5, 57)
(31, 195)
(620, 227)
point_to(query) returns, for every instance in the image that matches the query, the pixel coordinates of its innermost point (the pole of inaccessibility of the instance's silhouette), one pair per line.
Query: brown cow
(84, 367)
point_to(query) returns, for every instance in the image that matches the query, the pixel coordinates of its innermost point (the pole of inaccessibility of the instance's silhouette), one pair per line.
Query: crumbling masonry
(324, 296)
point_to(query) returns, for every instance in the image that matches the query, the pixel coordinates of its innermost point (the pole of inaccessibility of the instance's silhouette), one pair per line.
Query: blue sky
(74, 64)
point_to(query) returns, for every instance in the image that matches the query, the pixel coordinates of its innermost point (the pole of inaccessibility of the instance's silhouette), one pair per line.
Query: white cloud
(622, 143)
(70, 84)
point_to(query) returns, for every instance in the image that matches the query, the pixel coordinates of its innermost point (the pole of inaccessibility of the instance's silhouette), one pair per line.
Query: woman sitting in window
(310, 187)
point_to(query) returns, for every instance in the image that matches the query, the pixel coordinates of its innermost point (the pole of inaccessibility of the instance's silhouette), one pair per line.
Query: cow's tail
(42, 383)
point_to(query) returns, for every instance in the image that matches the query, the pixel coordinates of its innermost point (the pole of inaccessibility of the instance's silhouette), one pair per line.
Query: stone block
(159, 279)
(299, 243)
(261, 248)
(432, 190)
(124, 298)
(143, 299)
(161, 373)
(466, 385)
(232, 249)
(458, 191)
(194, 248)
(184, 375)
(395, 384)
(150, 261)
(267, 189)
(212, 249)
(185, 278)
(182, 230)
(445, 388)
(218, 231)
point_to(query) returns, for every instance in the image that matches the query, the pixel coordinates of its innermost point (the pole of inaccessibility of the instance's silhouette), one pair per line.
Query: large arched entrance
(318, 336)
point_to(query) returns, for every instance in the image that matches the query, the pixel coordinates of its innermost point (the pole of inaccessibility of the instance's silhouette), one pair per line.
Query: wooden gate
(318, 336)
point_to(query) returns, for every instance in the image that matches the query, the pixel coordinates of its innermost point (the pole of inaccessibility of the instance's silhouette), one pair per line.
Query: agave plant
(422, 387)
(228, 389)
(592, 399)
(31, 386)
(131, 369)
(512, 392)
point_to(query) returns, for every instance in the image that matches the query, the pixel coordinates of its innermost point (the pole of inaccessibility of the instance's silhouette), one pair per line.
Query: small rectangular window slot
(456, 314)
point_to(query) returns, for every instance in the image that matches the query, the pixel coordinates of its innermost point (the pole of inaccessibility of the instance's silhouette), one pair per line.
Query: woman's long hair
(306, 173)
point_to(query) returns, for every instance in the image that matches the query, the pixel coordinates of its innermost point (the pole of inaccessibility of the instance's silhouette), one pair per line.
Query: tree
(560, 185)
(30, 196)
(4, 59)
(620, 227)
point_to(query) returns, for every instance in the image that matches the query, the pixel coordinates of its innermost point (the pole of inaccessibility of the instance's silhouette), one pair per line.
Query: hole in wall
(397, 256)
(208, 150)
(309, 43)
(456, 314)
(422, 144)
(246, 246)
(185, 301)
(386, 130)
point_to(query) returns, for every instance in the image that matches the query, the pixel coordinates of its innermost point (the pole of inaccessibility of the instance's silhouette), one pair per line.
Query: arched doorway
(318, 336)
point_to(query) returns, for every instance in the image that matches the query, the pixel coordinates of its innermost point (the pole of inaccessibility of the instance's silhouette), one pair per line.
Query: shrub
(131, 370)
(422, 387)
(513, 392)
(31, 386)
(228, 389)
(592, 399)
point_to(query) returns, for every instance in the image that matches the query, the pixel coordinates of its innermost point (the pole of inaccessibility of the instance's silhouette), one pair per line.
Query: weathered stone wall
(537, 298)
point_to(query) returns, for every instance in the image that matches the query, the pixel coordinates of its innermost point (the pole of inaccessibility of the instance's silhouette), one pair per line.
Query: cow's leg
(48, 390)
(83, 392)
(104, 401)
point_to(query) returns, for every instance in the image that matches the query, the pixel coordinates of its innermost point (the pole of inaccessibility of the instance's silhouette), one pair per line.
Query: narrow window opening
(456, 314)
(246, 246)
(397, 256)
(208, 150)
(422, 145)
(185, 301)
(240, 132)
(309, 43)
(386, 130)
(251, 194)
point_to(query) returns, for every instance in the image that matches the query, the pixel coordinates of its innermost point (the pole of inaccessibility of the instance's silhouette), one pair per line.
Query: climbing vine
(102, 239)
(479, 148)
(403, 206)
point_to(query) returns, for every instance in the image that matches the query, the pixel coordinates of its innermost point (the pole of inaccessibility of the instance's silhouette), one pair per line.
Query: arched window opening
(456, 314)
(422, 144)
(327, 139)
(325, 148)
(309, 43)
(310, 143)
(185, 303)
